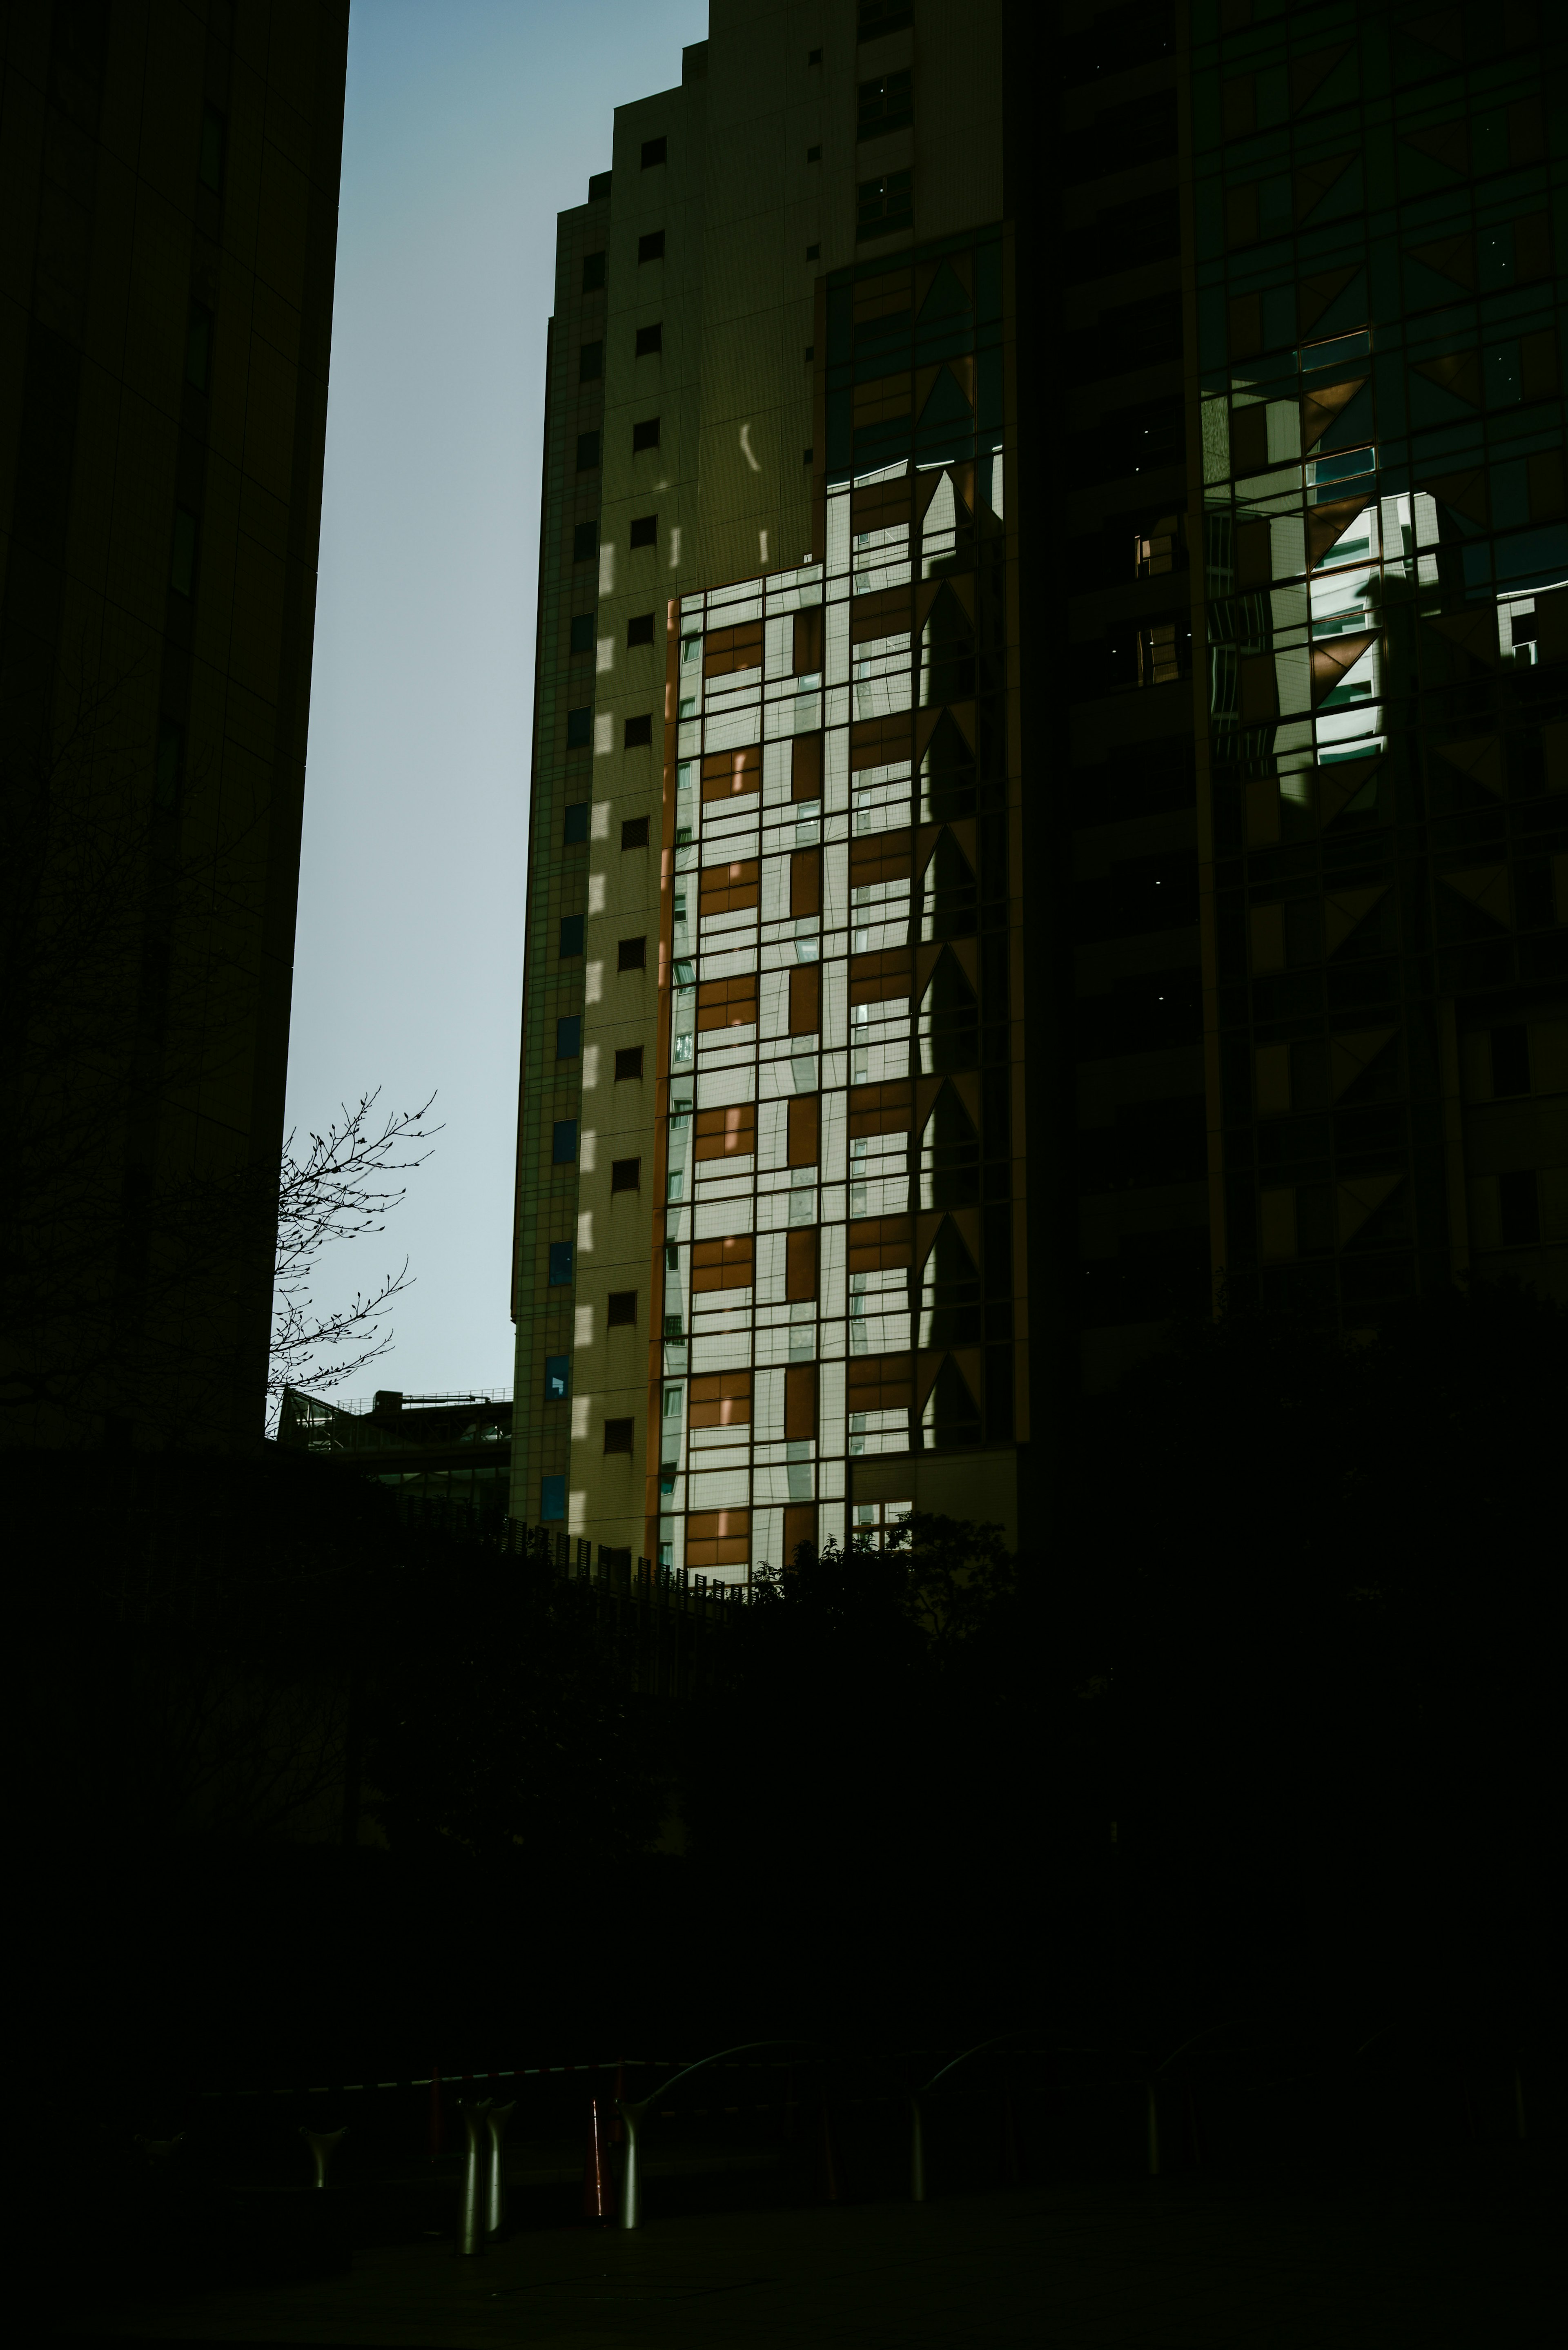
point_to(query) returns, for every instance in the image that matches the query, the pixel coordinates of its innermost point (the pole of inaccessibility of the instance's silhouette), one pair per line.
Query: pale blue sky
(470, 124)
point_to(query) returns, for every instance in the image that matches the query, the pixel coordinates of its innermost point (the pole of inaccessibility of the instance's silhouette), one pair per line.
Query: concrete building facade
(1044, 811)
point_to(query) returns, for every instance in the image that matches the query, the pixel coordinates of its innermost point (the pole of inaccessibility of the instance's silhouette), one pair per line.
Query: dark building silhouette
(449, 1453)
(169, 238)
(1048, 801)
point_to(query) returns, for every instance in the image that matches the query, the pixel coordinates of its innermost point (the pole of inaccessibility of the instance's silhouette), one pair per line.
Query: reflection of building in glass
(1060, 796)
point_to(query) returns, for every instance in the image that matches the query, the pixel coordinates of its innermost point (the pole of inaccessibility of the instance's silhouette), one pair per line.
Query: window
(645, 530)
(582, 632)
(805, 999)
(564, 1143)
(806, 767)
(813, 253)
(806, 456)
(800, 1266)
(638, 732)
(632, 955)
(552, 1500)
(879, 17)
(1511, 1060)
(627, 1063)
(730, 1133)
(654, 151)
(571, 938)
(639, 629)
(807, 651)
(620, 1313)
(569, 1039)
(800, 1402)
(588, 451)
(814, 56)
(575, 826)
(885, 205)
(183, 554)
(210, 163)
(720, 1400)
(810, 353)
(803, 1132)
(593, 272)
(586, 542)
(561, 1264)
(813, 155)
(590, 362)
(634, 832)
(626, 1175)
(805, 883)
(883, 105)
(1519, 1210)
(727, 1002)
(651, 246)
(579, 729)
(197, 347)
(729, 889)
(645, 435)
(726, 651)
(557, 1371)
(650, 340)
(727, 774)
(722, 1264)
(618, 1435)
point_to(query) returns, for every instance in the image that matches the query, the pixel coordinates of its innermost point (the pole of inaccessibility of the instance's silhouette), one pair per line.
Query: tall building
(169, 239)
(1049, 728)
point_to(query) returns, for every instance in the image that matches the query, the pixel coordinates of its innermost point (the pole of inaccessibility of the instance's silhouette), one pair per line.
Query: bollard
(322, 2144)
(495, 2203)
(471, 2215)
(598, 2190)
(917, 2151)
(631, 2175)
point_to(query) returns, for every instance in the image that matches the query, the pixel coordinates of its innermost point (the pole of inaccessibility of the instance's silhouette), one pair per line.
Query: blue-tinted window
(569, 1039)
(552, 1499)
(556, 1377)
(571, 936)
(579, 729)
(560, 1265)
(564, 1149)
(576, 828)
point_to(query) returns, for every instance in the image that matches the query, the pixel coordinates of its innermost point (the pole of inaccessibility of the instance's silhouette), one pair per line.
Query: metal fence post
(496, 2201)
(470, 2216)
(322, 2144)
(631, 2176)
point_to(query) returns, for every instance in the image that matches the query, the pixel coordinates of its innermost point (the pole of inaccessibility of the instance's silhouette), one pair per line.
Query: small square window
(645, 530)
(552, 1501)
(618, 1435)
(814, 56)
(588, 451)
(582, 632)
(593, 272)
(651, 246)
(569, 1039)
(571, 938)
(654, 151)
(810, 353)
(564, 1143)
(579, 729)
(650, 340)
(813, 253)
(634, 832)
(586, 542)
(813, 155)
(626, 1174)
(575, 828)
(645, 435)
(632, 955)
(627, 1063)
(590, 362)
(558, 1378)
(561, 1264)
(639, 629)
(638, 732)
(620, 1312)
(806, 456)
